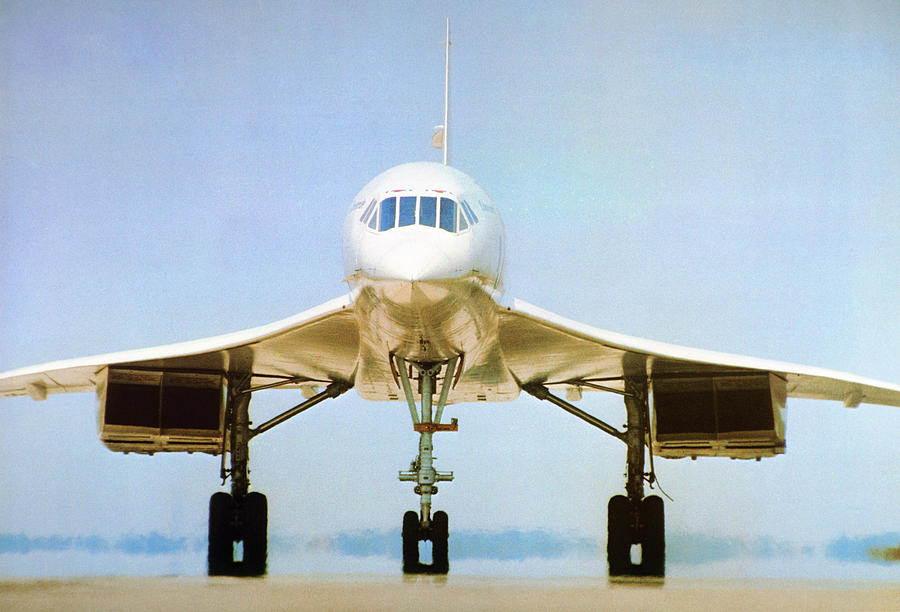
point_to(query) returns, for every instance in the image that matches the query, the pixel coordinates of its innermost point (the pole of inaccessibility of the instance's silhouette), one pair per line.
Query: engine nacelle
(737, 416)
(144, 411)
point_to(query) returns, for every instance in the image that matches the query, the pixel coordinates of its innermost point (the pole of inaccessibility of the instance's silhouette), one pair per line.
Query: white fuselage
(423, 254)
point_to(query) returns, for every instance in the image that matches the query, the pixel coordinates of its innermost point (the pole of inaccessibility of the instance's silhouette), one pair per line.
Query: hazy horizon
(536, 553)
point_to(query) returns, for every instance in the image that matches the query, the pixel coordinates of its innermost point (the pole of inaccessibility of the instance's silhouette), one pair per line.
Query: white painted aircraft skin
(416, 252)
(427, 294)
(421, 292)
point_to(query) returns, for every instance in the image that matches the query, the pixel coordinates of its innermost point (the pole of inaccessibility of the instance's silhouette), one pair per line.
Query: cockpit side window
(463, 224)
(448, 214)
(407, 214)
(365, 215)
(471, 213)
(463, 213)
(388, 214)
(428, 211)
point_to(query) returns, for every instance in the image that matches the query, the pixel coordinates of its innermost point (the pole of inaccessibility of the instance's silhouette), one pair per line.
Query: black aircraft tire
(220, 554)
(410, 536)
(255, 534)
(619, 536)
(653, 537)
(439, 543)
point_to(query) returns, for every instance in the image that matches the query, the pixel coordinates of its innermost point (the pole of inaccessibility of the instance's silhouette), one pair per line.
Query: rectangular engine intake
(154, 411)
(739, 416)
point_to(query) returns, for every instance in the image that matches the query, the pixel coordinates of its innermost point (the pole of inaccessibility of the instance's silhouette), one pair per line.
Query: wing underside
(318, 345)
(172, 398)
(539, 346)
(704, 403)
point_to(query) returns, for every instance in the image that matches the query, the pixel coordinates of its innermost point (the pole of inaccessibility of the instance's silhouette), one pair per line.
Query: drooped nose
(416, 261)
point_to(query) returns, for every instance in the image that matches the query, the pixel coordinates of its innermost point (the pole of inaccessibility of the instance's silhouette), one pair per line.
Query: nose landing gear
(422, 526)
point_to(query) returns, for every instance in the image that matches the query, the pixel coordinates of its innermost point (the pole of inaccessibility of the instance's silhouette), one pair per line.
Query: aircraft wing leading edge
(704, 403)
(542, 347)
(537, 346)
(318, 345)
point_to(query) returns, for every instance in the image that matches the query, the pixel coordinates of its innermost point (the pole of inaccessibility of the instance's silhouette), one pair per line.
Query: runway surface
(428, 593)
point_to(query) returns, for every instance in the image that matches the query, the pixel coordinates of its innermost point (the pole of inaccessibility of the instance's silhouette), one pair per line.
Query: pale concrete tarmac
(428, 593)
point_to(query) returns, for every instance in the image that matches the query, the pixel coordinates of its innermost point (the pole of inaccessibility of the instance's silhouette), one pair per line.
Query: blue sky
(698, 173)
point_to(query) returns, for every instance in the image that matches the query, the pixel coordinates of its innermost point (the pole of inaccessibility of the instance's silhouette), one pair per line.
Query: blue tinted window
(388, 214)
(373, 218)
(462, 220)
(369, 208)
(407, 211)
(463, 213)
(427, 210)
(448, 214)
(472, 216)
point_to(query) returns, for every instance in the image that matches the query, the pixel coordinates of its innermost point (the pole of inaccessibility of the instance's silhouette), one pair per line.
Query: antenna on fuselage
(446, 89)
(440, 137)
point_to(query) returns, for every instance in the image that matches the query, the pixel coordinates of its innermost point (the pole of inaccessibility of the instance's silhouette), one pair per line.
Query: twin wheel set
(636, 524)
(247, 524)
(629, 527)
(413, 533)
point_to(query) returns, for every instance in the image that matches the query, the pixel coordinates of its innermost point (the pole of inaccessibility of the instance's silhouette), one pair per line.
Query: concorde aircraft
(422, 324)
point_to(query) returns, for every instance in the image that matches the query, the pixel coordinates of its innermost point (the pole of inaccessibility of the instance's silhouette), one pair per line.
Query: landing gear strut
(635, 520)
(422, 526)
(242, 515)
(636, 545)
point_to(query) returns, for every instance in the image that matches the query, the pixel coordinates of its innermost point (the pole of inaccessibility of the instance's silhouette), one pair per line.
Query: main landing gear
(636, 536)
(636, 545)
(242, 516)
(422, 526)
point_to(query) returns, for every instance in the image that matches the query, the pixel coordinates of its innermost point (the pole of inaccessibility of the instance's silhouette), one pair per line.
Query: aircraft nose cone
(414, 262)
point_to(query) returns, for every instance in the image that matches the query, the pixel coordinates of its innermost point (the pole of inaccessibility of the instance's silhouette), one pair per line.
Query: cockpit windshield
(388, 213)
(433, 211)
(428, 211)
(407, 214)
(448, 214)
